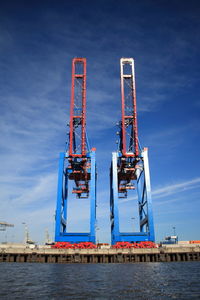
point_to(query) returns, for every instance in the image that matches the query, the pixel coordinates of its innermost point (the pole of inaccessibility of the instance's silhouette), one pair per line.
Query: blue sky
(38, 40)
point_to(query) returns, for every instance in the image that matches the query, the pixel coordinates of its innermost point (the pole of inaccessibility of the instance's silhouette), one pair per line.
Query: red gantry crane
(78, 163)
(129, 167)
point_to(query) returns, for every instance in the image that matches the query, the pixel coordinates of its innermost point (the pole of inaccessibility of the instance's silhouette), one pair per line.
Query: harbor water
(145, 281)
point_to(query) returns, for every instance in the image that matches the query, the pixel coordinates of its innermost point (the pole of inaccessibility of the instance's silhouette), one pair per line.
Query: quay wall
(48, 255)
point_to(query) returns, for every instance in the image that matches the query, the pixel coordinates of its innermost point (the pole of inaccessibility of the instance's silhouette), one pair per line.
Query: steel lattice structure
(130, 167)
(78, 163)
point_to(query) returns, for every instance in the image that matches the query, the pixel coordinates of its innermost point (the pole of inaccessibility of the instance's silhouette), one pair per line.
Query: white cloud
(171, 189)
(40, 193)
(176, 188)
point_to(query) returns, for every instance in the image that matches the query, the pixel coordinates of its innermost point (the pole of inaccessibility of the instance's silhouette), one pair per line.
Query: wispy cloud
(171, 189)
(40, 193)
(176, 188)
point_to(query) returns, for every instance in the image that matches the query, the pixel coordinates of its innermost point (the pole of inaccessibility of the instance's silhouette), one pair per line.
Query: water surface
(145, 281)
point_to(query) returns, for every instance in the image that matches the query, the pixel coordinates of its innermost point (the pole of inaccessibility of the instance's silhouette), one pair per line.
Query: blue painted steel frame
(144, 202)
(61, 234)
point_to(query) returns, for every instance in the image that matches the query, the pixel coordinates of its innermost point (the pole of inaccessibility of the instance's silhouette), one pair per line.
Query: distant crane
(3, 225)
(77, 164)
(27, 239)
(130, 168)
(47, 238)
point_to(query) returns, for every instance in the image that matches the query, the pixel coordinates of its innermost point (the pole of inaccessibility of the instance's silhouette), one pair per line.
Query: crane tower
(130, 168)
(77, 164)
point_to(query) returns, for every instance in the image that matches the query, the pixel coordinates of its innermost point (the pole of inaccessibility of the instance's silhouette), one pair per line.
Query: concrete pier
(48, 255)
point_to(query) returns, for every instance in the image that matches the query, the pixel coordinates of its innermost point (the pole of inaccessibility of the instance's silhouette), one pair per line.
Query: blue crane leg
(115, 235)
(58, 220)
(93, 198)
(148, 193)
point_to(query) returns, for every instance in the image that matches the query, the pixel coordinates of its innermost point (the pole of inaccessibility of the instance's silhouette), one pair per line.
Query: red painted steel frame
(133, 117)
(81, 116)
